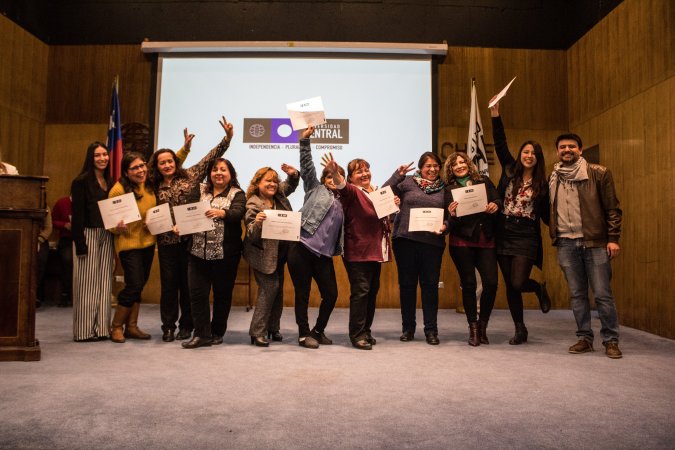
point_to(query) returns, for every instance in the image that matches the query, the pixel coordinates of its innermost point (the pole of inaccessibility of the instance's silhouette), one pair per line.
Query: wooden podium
(22, 209)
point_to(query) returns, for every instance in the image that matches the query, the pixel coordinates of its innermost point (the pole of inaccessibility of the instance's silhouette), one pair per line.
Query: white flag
(475, 146)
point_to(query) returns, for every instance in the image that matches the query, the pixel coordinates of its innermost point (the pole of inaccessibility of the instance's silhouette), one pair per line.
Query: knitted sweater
(137, 236)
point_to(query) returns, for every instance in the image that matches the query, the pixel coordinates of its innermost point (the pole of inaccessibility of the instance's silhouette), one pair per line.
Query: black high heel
(259, 341)
(275, 336)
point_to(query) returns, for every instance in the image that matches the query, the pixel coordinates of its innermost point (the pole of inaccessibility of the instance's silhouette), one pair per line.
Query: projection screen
(377, 107)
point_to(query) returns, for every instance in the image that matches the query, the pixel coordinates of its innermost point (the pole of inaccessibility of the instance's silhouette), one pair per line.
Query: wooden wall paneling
(23, 81)
(541, 83)
(627, 52)
(81, 79)
(65, 149)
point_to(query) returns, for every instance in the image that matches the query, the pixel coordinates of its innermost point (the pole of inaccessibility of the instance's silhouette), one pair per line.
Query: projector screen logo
(279, 131)
(256, 130)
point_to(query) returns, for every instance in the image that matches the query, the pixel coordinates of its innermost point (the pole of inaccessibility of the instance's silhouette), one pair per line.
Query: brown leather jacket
(600, 212)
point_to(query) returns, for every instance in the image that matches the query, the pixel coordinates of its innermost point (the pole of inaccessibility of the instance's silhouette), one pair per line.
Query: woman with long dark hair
(267, 257)
(215, 254)
(174, 185)
(418, 253)
(472, 244)
(93, 264)
(135, 246)
(524, 188)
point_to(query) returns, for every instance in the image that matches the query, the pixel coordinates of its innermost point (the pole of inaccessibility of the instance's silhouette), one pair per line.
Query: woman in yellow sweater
(135, 246)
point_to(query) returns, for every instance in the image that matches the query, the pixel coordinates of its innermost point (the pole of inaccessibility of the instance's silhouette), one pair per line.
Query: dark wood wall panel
(80, 83)
(622, 97)
(23, 88)
(625, 54)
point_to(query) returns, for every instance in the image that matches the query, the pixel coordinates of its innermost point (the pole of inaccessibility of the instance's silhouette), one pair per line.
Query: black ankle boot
(544, 299)
(520, 336)
(482, 331)
(474, 335)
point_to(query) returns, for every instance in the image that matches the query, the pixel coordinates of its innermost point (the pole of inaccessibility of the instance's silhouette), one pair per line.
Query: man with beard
(585, 225)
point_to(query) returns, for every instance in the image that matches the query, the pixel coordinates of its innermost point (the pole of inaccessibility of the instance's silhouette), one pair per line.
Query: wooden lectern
(23, 202)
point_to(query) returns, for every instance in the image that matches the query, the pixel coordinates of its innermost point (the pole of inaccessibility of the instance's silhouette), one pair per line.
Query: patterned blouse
(209, 245)
(182, 190)
(523, 203)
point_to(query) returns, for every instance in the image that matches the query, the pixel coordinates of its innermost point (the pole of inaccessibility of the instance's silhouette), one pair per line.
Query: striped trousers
(92, 286)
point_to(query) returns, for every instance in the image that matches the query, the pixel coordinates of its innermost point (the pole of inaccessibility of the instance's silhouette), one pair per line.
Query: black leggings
(467, 260)
(516, 271)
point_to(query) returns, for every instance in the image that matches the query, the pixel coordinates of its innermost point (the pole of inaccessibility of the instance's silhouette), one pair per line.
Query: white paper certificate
(471, 199)
(501, 94)
(383, 201)
(191, 218)
(306, 112)
(426, 219)
(122, 207)
(281, 225)
(158, 219)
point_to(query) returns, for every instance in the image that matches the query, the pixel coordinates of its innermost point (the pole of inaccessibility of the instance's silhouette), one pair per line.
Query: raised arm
(398, 177)
(290, 184)
(307, 169)
(499, 136)
(184, 151)
(197, 172)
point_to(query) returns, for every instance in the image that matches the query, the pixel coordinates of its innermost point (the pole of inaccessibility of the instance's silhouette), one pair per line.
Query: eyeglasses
(137, 167)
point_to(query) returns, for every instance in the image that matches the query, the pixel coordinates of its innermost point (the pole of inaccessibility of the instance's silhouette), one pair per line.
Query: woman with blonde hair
(472, 244)
(267, 257)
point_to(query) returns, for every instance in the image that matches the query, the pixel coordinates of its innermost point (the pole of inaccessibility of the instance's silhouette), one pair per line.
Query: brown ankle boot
(474, 337)
(116, 331)
(482, 330)
(132, 331)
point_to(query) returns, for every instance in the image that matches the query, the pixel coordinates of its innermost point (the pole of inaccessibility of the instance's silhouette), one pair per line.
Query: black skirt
(517, 236)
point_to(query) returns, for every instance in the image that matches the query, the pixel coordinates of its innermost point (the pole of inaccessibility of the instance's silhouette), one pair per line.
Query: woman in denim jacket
(321, 238)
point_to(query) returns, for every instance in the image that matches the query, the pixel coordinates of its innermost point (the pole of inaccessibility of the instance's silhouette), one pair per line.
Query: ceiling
(531, 24)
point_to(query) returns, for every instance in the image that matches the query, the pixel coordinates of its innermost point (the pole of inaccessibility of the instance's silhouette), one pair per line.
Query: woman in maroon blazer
(366, 246)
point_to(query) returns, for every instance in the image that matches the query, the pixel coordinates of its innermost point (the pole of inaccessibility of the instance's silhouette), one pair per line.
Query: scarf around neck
(429, 187)
(569, 174)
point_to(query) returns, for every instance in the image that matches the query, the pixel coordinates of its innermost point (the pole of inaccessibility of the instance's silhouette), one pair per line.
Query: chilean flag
(115, 134)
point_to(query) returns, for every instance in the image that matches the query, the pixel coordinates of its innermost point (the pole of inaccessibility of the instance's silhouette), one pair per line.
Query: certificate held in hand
(281, 225)
(120, 208)
(471, 199)
(426, 219)
(383, 201)
(191, 218)
(158, 219)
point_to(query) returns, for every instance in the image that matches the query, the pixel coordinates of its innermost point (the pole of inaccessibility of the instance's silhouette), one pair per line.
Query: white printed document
(158, 219)
(426, 219)
(306, 113)
(281, 225)
(191, 218)
(383, 201)
(120, 208)
(471, 199)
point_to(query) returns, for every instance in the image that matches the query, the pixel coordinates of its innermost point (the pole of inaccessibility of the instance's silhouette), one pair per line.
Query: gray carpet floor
(156, 395)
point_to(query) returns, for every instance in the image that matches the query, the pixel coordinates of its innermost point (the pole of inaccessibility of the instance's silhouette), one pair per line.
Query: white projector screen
(378, 109)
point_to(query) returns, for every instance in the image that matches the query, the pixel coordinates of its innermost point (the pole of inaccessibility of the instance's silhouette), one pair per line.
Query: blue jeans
(582, 267)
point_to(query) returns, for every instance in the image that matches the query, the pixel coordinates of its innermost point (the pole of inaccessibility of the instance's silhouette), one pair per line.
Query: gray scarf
(568, 174)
